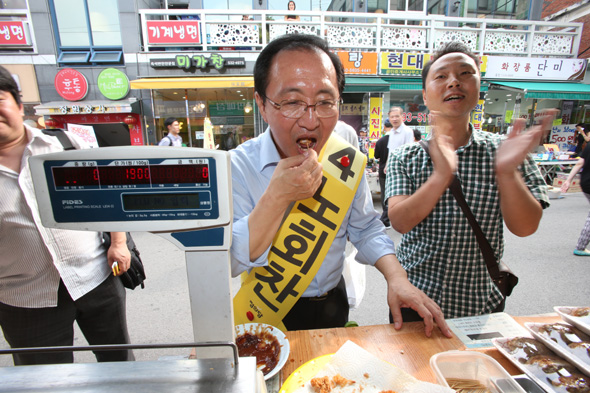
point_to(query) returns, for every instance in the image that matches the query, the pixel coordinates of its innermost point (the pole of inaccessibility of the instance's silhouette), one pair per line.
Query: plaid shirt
(441, 254)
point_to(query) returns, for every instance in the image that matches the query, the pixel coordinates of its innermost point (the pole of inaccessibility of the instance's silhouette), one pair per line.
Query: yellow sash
(268, 293)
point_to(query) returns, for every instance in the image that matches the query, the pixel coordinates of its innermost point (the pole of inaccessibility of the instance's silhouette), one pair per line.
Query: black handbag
(500, 273)
(135, 275)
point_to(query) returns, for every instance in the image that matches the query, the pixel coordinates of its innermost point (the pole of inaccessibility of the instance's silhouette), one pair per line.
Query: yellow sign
(411, 64)
(301, 244)
(209, 142)
(375, 116)
(477, 115)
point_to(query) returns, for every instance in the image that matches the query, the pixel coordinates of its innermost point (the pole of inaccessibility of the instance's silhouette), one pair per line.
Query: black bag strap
(484, 244)
(61, 136)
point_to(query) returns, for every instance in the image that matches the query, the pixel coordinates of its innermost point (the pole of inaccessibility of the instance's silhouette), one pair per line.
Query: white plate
(532, 371)
(283, 342)
(582, 323)
(561, 349)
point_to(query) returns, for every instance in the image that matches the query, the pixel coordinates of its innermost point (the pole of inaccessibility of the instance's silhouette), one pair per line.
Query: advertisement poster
(375, 115)
(84, 132)
(537, 68)
(359, 63)
(209, 141)
(477, 115)
(561, 135)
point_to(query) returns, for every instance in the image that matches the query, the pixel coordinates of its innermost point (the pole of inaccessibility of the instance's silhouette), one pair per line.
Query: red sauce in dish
(262, 345)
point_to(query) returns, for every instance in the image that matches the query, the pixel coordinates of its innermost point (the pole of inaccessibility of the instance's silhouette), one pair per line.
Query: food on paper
(353, 369)
(260, 341)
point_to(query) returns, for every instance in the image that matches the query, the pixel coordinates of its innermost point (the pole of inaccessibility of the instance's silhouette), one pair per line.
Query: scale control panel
(147, 188)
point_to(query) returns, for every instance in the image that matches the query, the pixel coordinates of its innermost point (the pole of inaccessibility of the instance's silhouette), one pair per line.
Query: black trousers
(409, 315)
(327, 311)
(100, 314)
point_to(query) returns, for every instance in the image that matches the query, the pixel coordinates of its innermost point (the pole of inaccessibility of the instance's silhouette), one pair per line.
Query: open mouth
(306, 144)
(454, 98)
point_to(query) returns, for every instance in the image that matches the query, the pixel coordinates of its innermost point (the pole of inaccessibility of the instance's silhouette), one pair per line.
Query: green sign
(226, 108)
(113, 84)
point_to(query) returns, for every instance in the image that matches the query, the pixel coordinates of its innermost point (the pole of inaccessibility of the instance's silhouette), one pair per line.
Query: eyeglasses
(294, 109)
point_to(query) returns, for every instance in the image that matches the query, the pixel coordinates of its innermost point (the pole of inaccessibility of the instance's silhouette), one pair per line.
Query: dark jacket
(382, 153)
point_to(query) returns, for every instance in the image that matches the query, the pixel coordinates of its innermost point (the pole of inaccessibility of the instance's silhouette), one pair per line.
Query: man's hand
(513, 151)
(296, 178)
(119, 252)
(401, 293)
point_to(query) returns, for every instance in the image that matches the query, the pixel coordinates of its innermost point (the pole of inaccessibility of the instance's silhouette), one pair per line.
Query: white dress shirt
(34, 258)
(399, 137)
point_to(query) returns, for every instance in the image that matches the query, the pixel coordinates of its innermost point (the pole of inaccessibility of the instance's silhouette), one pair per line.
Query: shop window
(87, 32)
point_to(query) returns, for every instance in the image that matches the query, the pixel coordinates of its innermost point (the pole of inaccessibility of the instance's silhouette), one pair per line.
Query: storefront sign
(359, 63)
(113, 84)
(181, 32)
(375, 115)
(409, 64)
(500, 67)
(14, 33)
(477, 115)
(71, 84)
(187, 62)
(352, 109)
(226, 108)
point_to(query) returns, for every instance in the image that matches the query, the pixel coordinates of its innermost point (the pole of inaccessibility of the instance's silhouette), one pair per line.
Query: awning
(404, 83)
(550, 90)
(209, 82)
(359, 84)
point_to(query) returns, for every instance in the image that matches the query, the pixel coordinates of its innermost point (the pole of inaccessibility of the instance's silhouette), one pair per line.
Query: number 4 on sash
(336, 160)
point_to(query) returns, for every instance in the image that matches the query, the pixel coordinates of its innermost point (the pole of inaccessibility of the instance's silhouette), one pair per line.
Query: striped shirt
(441, 254)
(34, 258)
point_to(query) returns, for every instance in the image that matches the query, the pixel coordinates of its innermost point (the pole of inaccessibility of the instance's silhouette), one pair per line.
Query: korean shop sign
(193, 62)
(501, 67)
(402, 64)
(173, 32)
(113, 84)
(359, 63)
(71, 84)
(14, 33)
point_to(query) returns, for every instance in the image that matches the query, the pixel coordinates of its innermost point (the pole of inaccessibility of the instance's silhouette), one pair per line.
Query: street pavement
(550, 275)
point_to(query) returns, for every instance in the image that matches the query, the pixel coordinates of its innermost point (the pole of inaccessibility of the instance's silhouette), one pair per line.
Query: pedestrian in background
(581, 138)
(172, 138)
(500, 181)
(347, 133)
(417, 135)
(583, 165)
(291, 7)
(50, 278)
(382, 153)
(400, 133)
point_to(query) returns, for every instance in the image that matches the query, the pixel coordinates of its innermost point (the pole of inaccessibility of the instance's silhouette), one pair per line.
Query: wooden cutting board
(407, 348)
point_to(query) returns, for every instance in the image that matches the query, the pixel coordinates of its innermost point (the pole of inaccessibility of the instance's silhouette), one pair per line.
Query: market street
(550, 275)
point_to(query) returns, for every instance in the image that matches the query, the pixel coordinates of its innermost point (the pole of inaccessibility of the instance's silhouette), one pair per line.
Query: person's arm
(401, 293)
(119, 252)
(566, 184)
(407, 211)
(295, 178)
(521, 211)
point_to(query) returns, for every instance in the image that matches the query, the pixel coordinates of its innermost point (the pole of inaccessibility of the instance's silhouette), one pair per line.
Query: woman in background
(291, 7)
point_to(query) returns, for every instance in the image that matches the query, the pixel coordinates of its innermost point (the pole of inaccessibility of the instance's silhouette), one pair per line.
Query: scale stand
(183, 195)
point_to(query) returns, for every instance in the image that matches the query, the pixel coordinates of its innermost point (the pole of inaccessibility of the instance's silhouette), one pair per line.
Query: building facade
(119, 68)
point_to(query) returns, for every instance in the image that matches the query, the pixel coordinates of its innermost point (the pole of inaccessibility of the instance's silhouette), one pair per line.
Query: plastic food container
(470, 365)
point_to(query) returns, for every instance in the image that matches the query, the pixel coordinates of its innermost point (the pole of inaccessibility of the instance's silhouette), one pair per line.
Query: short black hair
(417, 134)
(8, 84)
(387, 123)
(169, 121)
(445, 49)
(293, 42)
(581, 125)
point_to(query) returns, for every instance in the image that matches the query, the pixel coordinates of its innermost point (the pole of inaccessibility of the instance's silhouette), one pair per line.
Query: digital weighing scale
(183, 195)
